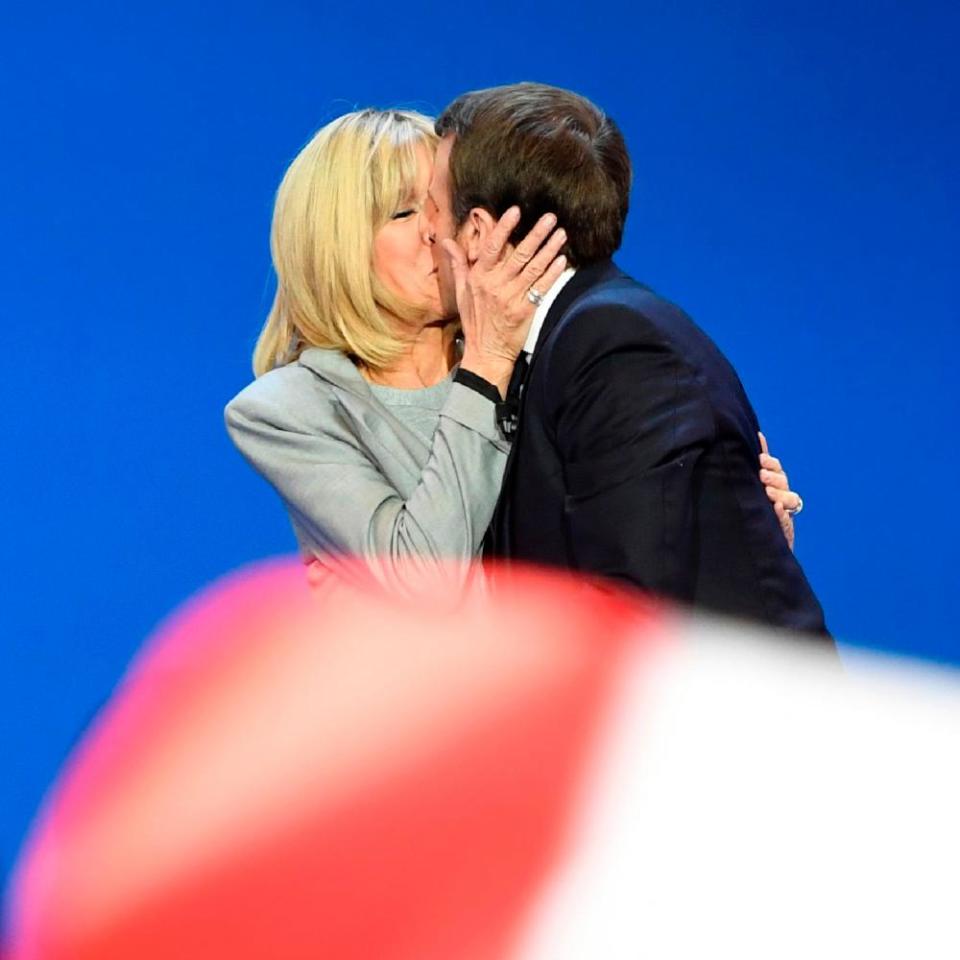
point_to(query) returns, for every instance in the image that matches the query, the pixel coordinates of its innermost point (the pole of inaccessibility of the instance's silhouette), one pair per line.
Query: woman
(374, 428)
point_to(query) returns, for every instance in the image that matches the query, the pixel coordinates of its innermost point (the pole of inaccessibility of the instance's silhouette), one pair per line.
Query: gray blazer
(357, 481)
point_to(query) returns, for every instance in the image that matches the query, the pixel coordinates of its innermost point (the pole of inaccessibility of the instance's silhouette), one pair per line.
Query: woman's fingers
(786, 523)
(777, 485)
(551, 274)
(775, 478)
(784, 498)
(533, 273)
(526, 250)
(771, 463)
(518, 261)
(492, 249)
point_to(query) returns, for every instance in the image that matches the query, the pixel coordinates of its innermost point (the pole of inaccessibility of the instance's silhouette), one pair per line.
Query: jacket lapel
(580, 283)
(394, 443)
(497, 542)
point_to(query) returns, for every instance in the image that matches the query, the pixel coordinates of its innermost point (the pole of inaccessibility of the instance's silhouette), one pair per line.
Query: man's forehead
(441, 159)
(437, 187)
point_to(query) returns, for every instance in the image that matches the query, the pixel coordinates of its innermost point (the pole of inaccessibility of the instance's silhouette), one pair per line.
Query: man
(635, 450)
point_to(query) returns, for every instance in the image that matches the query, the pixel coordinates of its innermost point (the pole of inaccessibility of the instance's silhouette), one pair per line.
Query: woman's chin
(436, 317)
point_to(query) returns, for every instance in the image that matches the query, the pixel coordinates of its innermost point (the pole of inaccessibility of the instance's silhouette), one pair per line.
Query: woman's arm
(297, 435)
(326, 462)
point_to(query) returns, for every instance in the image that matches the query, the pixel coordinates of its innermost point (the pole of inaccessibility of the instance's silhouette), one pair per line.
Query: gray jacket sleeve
(329, 467)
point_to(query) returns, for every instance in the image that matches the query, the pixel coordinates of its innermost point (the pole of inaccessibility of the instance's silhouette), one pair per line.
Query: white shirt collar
(541, 313)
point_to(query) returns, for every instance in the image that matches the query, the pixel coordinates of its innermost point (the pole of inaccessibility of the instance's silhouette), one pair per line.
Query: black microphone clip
(508, 417)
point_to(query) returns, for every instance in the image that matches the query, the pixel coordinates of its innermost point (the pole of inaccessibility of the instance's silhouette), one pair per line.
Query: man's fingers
(527, 248)
(763, 442)
(499, 236)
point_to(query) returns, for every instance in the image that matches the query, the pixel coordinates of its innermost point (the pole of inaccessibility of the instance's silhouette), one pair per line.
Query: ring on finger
(793, 511)
(535, 296)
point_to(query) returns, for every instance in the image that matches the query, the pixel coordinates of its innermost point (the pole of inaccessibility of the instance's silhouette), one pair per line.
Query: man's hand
(777, 485)
(492, 294)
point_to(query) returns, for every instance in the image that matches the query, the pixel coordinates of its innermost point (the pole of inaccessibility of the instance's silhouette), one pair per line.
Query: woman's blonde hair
(342, 187)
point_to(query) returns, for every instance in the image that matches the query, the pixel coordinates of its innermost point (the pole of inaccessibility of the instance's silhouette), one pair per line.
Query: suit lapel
(498, 540)
(580, 283)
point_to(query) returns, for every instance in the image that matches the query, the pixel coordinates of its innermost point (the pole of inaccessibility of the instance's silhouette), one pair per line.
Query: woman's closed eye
(411, 207)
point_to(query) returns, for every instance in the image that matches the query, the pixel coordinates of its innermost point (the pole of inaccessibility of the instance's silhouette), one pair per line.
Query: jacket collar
(583, 280)
(336, 368)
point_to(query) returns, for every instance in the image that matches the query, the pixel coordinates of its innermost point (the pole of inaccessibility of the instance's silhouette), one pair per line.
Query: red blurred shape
(287, 773)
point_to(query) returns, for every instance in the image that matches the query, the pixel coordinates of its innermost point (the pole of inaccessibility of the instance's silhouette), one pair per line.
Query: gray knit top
(419, 409)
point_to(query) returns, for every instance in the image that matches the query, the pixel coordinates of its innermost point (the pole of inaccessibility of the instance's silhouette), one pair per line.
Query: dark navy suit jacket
(636, 459)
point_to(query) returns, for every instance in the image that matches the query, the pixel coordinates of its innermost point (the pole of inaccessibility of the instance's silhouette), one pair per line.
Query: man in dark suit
(635, 446)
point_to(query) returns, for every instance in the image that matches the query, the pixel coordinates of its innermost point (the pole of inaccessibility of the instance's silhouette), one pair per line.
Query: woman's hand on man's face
(494, 294)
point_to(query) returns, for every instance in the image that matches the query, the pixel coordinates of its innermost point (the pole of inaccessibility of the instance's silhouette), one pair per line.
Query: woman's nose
(427, 232)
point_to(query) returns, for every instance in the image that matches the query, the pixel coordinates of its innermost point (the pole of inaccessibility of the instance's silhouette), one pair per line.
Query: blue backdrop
(795, 191)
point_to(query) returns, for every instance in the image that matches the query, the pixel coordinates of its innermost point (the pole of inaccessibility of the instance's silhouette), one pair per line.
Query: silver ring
(797, 508)
(535, 296)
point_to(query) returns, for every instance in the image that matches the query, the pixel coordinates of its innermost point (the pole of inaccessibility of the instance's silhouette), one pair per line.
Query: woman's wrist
(495, 371)
(478, 384)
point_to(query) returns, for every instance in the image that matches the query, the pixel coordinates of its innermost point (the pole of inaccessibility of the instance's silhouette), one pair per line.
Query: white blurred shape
(755, 800)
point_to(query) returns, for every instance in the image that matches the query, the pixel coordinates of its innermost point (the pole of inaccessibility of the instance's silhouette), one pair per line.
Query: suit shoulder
(621, 314)
(623, 307)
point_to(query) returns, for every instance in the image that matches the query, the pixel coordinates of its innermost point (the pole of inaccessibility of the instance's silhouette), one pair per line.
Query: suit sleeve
(341, 502)
(631, 423)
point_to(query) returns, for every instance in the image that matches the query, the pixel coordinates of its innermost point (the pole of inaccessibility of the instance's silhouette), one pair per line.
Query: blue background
(795, 190)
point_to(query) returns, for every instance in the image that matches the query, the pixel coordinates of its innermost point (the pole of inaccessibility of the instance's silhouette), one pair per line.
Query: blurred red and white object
(544, 772)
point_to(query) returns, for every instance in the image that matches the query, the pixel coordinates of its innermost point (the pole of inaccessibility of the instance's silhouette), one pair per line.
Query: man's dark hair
(547, 150)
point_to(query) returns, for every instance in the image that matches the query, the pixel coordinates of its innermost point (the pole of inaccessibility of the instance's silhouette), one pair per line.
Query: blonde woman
(370, 416)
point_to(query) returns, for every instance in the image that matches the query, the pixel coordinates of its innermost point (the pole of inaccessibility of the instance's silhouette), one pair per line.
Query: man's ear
(474, 233)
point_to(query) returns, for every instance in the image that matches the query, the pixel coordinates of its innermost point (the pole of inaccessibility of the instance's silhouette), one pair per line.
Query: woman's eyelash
(403, 213)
